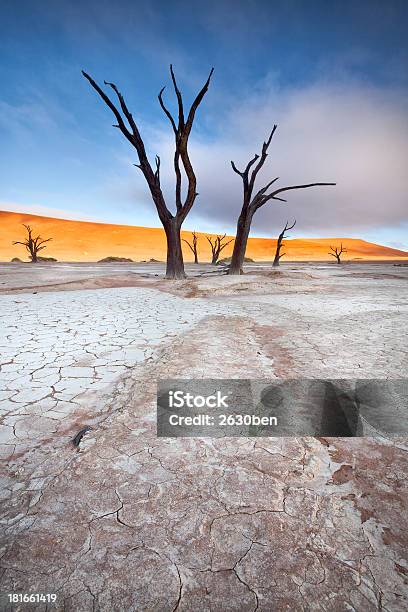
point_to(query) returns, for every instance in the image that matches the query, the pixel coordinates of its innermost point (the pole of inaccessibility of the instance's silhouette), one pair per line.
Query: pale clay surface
(134, 522)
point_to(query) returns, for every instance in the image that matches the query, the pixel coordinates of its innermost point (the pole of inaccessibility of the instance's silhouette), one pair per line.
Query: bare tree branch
(217, 246)
(336, 252)
(262, 191)
(193, 246)
(169, 115)
(279, 244)
(113, 108)
(182, 131)
(251, 203)
(181, 146)
(127, 125)
(33, 245)
(136, 140)
(179, 101)
(197, 102)
(235, 169)
(264, 155)
(222, 246)
(281, 189)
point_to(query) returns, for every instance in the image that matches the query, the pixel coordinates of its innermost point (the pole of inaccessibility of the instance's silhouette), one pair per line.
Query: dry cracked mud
(129, 521)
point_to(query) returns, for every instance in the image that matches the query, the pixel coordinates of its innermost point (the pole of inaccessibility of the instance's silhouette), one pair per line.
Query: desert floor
(129, 521)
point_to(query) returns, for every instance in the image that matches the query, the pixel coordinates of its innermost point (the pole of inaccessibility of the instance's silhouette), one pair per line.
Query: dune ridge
(90, 241)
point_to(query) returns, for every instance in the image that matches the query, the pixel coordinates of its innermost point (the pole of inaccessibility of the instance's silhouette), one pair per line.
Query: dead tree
(193, 246)
(251, 203)
(217, 246)
(181, 128)
(33, 245)
(336, 252)
(279, 244)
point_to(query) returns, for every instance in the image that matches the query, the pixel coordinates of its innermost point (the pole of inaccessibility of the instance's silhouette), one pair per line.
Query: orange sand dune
(86, 241)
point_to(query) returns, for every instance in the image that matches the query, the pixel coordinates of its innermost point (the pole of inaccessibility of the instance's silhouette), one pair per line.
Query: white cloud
(353, 135)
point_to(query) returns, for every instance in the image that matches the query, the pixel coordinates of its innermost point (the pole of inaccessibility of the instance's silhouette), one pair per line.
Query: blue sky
(333, 75)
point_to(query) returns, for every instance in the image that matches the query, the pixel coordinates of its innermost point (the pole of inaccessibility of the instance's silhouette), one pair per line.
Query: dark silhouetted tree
(217, 245)
(33, 244)
(279, 244)
(336, 252)
(193, 246)
(182, 128)
(251, 203)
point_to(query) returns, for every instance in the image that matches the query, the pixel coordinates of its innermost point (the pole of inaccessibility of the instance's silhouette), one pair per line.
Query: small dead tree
(182, 129)
(217, 245)
(193, 246)
(33, 244)
(279, 244)
(336, 252)
(251, 203)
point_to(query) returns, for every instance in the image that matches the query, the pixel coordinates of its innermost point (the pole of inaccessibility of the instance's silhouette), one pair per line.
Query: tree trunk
(175, 263)
(277, 252)
(240, 245)
(338, 259)
(215, 255)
